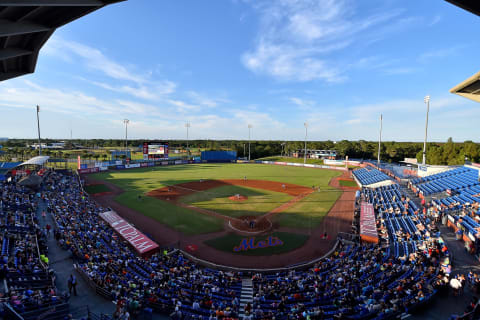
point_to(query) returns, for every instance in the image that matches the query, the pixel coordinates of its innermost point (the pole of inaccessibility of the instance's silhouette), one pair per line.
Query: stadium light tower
(380, 140)
(249, 128)
(126, 121)
(38, 127)
(427, 101)
(305, 153)
(187, 125)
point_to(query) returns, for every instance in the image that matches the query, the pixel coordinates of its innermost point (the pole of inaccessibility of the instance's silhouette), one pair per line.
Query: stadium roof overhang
(36, 161)
(25, 26)
(469, 88)
(470, 5)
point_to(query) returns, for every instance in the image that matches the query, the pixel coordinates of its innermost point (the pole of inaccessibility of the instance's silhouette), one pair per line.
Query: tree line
(448, 153)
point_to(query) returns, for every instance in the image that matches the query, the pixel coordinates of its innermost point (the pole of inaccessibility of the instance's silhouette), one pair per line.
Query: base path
(338, 219)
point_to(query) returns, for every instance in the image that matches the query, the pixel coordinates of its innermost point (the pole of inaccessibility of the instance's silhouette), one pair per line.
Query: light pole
(38, 127)
(427, 101)
(126, 121)
(305, 153)
(187, 125)
(380, 140)
(249, 128)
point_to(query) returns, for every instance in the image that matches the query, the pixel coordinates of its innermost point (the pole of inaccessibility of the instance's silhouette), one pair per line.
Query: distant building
(3, 139)
(53, 145)
(316, 154)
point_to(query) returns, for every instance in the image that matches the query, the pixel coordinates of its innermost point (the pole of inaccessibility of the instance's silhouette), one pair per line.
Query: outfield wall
(306, 165)
(132, 165)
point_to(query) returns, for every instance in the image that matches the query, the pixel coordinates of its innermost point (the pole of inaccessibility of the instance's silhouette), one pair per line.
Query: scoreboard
(155, 150)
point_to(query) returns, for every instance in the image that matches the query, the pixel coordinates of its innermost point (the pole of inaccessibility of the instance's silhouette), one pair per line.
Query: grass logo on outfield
(249, 244)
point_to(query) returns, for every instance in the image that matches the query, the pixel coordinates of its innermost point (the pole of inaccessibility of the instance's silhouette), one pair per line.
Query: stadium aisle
(61, 261)
(443, 307)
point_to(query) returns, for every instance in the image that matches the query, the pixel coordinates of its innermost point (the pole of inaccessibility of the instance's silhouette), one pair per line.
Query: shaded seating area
(452, 180)
(367, 176)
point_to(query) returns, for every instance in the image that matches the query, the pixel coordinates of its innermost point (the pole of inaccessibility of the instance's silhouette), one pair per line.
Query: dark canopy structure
(469, 88)
(470, 5)
(25, 26)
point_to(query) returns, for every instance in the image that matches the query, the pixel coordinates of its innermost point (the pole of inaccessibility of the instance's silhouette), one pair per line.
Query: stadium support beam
(9, 53)
(54, 3)
(9, 28)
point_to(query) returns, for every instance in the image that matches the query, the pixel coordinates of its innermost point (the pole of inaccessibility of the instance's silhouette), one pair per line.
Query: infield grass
(348, 183)
(137, 182)
(258, 203)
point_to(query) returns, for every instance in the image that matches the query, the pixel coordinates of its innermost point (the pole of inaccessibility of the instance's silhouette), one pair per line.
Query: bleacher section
(461, 178)
(31, 291)
(367, 176)
(357, 282)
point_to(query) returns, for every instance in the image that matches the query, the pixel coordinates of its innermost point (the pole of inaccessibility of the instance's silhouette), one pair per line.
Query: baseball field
(220, 203)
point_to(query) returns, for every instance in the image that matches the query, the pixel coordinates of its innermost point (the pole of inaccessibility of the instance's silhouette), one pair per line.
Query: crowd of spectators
(166, 281)
(29, 284)
(358, 281)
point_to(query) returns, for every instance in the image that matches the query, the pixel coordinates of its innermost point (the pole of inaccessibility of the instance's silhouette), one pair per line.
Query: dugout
(219, 156)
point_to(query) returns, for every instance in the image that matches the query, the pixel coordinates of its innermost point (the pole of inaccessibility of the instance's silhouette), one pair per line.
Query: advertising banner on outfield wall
(140, 242)
(133, 165)
(88, 170)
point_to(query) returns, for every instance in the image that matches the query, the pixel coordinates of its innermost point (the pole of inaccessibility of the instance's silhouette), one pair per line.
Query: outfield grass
(291, 241)
(309, 212)
(139, 181)
(97, 188)
(258, 203)
(348, 183)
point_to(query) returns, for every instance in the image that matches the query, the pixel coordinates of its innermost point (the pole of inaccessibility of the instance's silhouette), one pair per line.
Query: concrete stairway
(411, 195)
(246, 295)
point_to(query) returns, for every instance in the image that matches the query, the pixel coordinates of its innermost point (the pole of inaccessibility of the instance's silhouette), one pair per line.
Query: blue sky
(224, 64)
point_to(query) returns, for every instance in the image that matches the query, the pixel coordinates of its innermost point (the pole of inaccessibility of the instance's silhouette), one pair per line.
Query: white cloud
(139, 85)
(205, 101)
(92, 57)
(302, 103)
(296, 38)
(439, 53)
(436, 19)
(152, 92)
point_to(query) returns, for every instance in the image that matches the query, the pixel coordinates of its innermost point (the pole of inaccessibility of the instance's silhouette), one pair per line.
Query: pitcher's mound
(238, 197)
(250, 224)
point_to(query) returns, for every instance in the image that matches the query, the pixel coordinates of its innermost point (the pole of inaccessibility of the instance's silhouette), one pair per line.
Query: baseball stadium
(102, 228)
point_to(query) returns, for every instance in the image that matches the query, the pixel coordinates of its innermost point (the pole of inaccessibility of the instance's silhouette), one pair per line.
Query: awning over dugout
(36, 161)
(469, 88)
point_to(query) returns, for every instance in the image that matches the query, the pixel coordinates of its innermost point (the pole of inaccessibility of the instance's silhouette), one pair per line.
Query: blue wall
(219, 156)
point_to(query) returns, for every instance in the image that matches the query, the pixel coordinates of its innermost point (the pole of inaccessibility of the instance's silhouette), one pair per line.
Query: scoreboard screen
(155, 150)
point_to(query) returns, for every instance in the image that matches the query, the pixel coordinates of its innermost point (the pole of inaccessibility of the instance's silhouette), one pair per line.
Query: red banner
(88, 170)
(368, 226)
(142, 244)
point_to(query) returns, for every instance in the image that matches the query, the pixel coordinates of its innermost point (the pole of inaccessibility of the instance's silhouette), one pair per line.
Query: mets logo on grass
(249, 244)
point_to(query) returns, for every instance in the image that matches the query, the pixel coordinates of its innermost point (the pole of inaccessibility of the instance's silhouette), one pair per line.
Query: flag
(38, 108)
